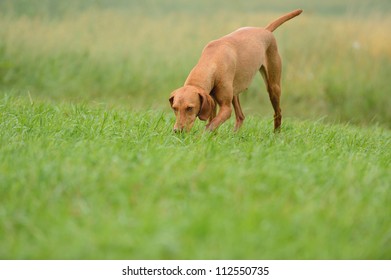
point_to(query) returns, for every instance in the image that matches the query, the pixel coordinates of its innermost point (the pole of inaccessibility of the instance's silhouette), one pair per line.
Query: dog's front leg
(212, 116)
(223, 115)
(238, 112)
(223, 96)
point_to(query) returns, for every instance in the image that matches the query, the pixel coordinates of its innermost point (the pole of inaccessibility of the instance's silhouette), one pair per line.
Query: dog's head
(188, 103)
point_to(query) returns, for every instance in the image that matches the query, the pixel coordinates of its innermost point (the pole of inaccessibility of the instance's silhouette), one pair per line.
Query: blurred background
(132, 54)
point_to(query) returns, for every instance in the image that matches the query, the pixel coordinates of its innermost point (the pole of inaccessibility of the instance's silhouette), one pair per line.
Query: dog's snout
(177, 130)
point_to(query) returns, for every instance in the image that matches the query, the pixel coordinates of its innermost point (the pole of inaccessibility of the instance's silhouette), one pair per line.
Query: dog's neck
(197, 88)
(200, 79)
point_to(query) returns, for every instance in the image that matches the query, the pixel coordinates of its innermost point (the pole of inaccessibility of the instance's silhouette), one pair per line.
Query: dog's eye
(189, 109)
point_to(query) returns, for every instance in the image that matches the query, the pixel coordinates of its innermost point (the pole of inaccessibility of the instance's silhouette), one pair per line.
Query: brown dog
(225, 69)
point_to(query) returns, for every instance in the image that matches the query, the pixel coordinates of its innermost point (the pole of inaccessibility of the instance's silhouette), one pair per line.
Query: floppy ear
(206, 106)
(171, 99)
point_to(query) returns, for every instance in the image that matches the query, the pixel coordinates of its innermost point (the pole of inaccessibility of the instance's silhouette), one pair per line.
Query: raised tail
(273, 25)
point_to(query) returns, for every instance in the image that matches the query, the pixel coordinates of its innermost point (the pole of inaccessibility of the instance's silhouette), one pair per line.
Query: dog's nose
(176, 130)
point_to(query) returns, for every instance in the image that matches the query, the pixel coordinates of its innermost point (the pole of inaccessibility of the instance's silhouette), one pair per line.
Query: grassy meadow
(89, 167)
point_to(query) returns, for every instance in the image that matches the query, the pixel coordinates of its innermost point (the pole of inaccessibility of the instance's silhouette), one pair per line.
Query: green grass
(90, 169)
(91, 182)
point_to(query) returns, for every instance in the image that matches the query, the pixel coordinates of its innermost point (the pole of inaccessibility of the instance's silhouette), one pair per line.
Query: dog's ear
(206, 106)
(171, 99)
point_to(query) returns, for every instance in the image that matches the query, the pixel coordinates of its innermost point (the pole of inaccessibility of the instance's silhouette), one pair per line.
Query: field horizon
(337, 71)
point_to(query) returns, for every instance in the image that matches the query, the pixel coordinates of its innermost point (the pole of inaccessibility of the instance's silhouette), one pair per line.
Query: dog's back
(236, 57)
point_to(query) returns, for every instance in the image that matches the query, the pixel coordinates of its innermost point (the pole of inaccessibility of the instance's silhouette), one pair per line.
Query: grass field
(88, 182)
(89, 167)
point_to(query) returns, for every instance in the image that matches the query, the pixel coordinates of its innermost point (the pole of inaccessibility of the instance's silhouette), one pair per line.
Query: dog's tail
(273, 25)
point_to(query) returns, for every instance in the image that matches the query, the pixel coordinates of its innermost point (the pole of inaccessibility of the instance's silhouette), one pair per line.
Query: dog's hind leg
(271, 73)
